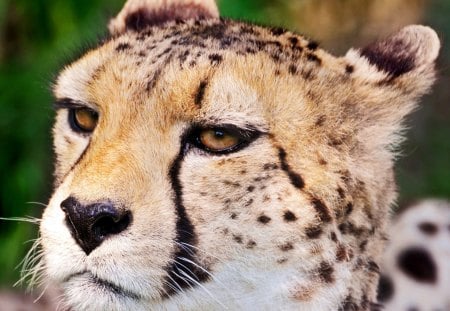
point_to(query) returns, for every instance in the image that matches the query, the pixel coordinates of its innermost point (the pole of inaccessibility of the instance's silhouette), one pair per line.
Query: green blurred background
(37, 37)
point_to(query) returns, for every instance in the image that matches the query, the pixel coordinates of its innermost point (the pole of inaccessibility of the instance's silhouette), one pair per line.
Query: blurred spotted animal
(204, 163)
(416, 264)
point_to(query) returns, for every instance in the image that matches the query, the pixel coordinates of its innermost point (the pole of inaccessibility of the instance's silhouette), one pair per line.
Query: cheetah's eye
(218, 139)
(223, 139)
(83, 120)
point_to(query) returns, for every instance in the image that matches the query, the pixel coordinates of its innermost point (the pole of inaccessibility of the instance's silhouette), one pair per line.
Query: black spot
(200, 93)
(326, 272)
(320, 121)
(428, 228)
(250, 188)
(348, 208)
(264, 219)
(296, 179)
(250, 244)
(341, 192)
(313, 58)
(292, 69)
(233, 216)
(349, 69)
(333, 237)
(385, 288)
(293, 40)
(418, 264)
(249, 202)
(289, 216)
(372, 266)
(215, 59)
(313, 232)
(270, 166)
(312, 45)
(286, 247)
(322, 210)
(393, 56)
(123, 47)
(277, 31)
(237, 238)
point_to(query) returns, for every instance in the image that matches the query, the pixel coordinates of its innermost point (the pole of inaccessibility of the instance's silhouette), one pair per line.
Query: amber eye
(83, 120)
(218, 140)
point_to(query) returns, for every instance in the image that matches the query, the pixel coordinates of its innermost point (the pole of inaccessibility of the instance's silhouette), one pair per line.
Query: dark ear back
(402, 52)
(139, 14)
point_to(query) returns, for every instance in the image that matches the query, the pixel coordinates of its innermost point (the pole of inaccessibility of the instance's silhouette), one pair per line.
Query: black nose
(91, 224)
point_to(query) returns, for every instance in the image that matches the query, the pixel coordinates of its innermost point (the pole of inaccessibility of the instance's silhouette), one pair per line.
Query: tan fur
(295, 220)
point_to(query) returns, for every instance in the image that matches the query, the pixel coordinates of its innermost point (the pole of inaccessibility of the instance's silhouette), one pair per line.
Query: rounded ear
(412, 48)
(139, 14)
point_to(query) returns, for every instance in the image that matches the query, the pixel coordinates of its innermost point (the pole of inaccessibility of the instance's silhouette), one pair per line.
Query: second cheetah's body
(206, 164)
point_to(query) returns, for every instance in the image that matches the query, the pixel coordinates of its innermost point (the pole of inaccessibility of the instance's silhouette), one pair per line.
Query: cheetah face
(205, 163)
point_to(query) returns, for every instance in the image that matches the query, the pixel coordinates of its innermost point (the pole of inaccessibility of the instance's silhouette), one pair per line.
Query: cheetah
(209, 164)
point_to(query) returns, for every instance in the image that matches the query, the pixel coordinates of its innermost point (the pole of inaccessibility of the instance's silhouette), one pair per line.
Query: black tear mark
(385, 288)
(322, 210)
(418, 264)
(200, 93)
(326, 272)
(123, 47)
(428, 228)
(183, 262)
(393, 56)
(296, 179)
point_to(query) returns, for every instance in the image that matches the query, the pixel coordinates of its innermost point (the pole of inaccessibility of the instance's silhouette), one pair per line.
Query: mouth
(87, 279)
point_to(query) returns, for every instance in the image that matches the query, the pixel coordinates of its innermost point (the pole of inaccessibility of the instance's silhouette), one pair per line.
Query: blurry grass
(37, 37)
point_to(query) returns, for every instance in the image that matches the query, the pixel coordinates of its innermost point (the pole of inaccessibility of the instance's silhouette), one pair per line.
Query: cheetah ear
(392, 74)
(139, 14)
(406, 55)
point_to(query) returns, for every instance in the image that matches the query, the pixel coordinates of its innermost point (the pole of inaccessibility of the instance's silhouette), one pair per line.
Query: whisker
(28, 219)
(37, 203)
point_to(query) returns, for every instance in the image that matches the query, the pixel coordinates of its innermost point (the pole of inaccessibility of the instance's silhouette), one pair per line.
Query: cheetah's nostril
(91, 224)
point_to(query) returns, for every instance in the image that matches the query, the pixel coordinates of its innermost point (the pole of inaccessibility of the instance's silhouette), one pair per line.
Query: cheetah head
(204, 163)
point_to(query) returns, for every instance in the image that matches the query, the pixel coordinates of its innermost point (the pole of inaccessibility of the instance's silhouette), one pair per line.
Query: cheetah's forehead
(190, 44)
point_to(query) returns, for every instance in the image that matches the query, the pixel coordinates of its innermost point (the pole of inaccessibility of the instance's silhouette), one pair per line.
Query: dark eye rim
(245, 137)
(73, 122)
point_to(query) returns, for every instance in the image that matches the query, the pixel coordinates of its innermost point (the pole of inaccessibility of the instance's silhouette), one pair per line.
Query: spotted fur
(294, 218)
(416, 262)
